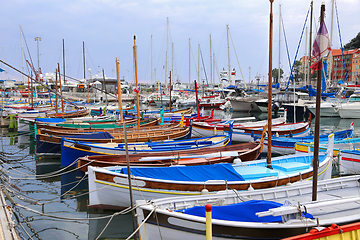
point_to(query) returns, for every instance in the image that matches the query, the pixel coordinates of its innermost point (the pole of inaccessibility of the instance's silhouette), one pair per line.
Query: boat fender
(158, 98)
(204, 192)
(288, 184)
(250, 188)
(237, 160)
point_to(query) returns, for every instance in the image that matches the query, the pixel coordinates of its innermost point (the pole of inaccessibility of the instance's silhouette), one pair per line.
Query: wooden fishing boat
(247, 134)
(345, 144)
(130, 127)
(70, 114)
(95, 126)
(151, 183)
(349, 161)
(183, 217)
(334, 232)
(244, 152)
(286, 145)
(54, 142)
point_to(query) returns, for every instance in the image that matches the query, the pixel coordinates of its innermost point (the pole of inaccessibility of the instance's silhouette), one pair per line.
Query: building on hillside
(351, 59)
(356, 67)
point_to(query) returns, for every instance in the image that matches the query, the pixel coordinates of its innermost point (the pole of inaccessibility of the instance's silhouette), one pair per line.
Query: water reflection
(120, 226)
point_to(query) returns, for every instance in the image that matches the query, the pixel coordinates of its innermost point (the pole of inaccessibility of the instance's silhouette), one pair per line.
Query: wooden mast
(56, 89)
(119, 88)
(308, 82)
(136, 85)
(268, 160)
(317, 117)
(170, 91)
(62, 100)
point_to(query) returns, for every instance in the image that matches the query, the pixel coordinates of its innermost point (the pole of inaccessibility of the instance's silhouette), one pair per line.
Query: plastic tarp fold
(240, 212)
(200, 173)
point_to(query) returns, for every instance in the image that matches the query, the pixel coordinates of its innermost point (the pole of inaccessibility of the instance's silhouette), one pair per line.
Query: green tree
(275, 74)
(296, 71)
(354, 43)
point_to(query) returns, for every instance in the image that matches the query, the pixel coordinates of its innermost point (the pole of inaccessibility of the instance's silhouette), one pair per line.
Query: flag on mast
(137, 89)
(321, 47)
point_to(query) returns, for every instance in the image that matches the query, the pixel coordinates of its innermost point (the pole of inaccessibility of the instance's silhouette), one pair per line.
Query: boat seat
(291, 166)
(255, 172)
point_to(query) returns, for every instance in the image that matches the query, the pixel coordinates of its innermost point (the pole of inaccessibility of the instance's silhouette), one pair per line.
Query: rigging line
(297, 51)
(37, 81)
(287, 50)
(237, 58)
(66, 218)
(341, 45)
(15, 191)
(138, 228)
(202, 60)
(27, 48)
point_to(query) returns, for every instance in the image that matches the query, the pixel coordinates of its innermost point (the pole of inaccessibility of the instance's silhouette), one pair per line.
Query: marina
(54, 200)
(163, 154)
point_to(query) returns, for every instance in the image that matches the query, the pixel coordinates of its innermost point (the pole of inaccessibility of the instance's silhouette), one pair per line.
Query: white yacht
(351, 108)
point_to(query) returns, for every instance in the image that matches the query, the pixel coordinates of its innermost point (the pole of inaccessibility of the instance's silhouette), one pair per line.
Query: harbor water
(52, 201)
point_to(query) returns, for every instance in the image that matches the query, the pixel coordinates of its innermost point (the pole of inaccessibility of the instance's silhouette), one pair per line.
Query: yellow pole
(119, 88)
(208, 209)
(136, 85)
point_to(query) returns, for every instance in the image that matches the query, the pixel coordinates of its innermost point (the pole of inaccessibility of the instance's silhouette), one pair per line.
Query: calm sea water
(62, 196)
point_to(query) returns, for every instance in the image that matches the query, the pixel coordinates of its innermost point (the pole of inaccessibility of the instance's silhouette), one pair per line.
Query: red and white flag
(137, 89)
(321, 47)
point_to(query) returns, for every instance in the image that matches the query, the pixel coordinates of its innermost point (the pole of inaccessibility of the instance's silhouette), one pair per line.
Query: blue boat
(286, 145)
(71, 150)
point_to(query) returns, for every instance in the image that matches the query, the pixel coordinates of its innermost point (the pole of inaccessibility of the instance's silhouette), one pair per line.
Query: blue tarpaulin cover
(94, 135)
(50, 120)
(189, 173)
(240, 212)
(312, 93)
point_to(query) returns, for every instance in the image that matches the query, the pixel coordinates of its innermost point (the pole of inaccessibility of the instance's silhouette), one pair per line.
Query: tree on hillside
(354, 43)
(298, 76)
(275, 74)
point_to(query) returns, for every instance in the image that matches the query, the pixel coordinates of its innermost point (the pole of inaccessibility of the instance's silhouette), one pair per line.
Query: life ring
(158, 98)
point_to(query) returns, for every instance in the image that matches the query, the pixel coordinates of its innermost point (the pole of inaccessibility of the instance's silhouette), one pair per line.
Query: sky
(108, 27)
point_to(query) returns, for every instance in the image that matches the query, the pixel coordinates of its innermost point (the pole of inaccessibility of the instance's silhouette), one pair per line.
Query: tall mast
(305, 62)
(119, 88)
(63, 61)
(151, 59)
(331, 35)
(189, 62)
(167, 47)
(84, 59)
(198, 72)
(56, 89)
(317, 116)
(211, 76)
(22, 54)
(279, 73)
(268, 160)
(310, 40)
(172, 61)
(61, 96)
(137, 83)
(228, 47)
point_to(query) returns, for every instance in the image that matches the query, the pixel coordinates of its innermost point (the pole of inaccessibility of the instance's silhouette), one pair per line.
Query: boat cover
(240, 212)
(50, 120)
(290, 142)
(202, 173)
(94, 135)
